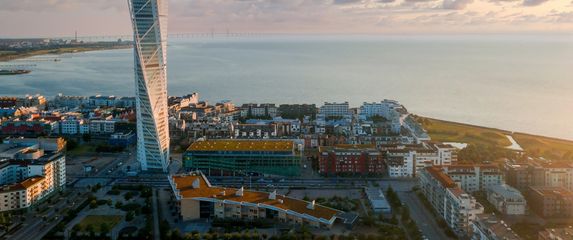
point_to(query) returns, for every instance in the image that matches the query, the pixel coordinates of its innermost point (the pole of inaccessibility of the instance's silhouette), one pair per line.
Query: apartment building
(350, 159)
(551, 202)
(507, 199)
(335, 109)
(490, 227)
(409, 160)
(102, 126)
(477, 177)
(535, 173)
(453, 204)
(29, 173)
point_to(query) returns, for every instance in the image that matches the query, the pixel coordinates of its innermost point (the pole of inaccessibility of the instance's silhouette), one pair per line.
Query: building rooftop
(377, 198)
(349, 147)
(552, 191)
(496, 228)
(21, 185)
(506, 191)
(203, 189)
(441, 176)
(241, 145)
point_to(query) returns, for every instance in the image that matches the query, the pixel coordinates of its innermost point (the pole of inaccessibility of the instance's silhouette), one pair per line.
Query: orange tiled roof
(241, 145)
(184, 185)
(442, 177)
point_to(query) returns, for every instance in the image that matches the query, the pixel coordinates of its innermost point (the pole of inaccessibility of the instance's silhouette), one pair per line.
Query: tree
(104, 229)
(90, 230)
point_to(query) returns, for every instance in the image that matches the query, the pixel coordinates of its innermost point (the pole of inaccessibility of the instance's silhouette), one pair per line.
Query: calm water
(517, 83)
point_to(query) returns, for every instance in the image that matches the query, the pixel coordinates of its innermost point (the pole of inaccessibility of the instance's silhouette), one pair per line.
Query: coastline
(447, 131)
(61, 50)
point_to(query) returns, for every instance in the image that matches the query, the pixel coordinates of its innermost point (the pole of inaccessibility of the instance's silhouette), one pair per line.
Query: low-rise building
(506, 199)
(378, 201)
(489, 227)
(551, 202)
(350, 159)
(456, 207)
(219, 157)
(198, 199)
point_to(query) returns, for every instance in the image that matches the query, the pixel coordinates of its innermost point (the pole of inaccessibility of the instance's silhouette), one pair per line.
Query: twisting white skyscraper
(149, 18)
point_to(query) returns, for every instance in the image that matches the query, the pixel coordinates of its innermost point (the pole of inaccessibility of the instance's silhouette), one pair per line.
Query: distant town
(266, 171)
(16, 48)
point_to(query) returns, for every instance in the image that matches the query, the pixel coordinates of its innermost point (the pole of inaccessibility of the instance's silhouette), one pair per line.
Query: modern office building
(236, 157)
(454, 205)
(350, 159)
(149, 18)
(198, 199)
(506, 199)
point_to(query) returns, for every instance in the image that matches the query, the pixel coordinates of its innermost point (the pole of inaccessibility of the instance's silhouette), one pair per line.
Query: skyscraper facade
(149, 18)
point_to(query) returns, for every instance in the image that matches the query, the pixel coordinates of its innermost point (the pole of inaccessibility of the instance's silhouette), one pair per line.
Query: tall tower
(149, 20)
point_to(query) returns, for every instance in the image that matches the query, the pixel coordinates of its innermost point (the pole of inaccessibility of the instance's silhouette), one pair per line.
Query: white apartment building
(506, 199)
(30, 178)
(410, 161)
(455, 206)
(100, 126)
(473, 178)
(335, 109)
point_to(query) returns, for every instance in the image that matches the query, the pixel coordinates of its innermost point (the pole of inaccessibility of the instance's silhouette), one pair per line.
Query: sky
(50, 18)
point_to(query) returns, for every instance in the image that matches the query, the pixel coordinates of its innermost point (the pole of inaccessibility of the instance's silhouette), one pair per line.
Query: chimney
(240, 192)
(273, 195)
(311, 205)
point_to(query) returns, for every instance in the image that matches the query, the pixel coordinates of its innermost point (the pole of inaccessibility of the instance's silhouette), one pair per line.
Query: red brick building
(350, 159)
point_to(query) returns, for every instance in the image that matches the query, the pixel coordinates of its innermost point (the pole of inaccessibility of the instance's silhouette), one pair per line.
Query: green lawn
(445, 131)
(551, 148)
(97, 220)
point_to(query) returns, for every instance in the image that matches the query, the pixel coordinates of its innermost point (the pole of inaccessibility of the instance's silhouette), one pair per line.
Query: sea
(514, 82)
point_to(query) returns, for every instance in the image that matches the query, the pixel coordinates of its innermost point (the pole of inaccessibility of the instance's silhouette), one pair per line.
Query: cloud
(342, 2)
(456, 4)
(533, 2)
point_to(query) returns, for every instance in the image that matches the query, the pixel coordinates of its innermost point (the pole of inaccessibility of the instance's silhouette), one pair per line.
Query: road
(422, 216)
(35, 227)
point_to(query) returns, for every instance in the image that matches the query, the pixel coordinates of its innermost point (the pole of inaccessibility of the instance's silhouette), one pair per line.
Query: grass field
(550, 148)
(97, 220)
(445, 131)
